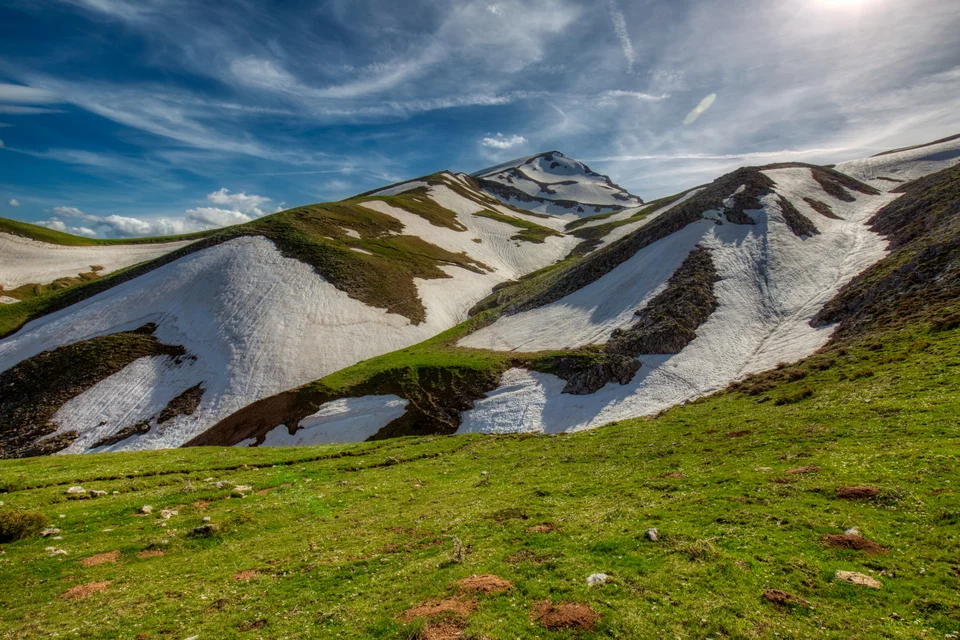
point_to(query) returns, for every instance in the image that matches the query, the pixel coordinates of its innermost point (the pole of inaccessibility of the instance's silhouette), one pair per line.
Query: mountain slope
(555, 184)
(266, 306)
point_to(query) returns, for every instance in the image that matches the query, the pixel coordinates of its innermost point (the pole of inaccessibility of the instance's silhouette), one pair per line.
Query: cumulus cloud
(501, 141)
(242, 208)
(13, 202)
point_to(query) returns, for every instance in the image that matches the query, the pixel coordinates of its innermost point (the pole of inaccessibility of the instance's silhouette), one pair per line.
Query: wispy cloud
(501, 141)
(620, 29)
(13, 202)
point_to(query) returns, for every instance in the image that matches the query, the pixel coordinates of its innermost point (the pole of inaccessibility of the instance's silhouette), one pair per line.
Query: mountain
(556, 184)
(440, 306)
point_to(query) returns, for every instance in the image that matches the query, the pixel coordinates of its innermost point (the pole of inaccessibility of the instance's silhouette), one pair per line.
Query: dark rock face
(669, 322)
(922, 274)
(593, 378)
(798, 223)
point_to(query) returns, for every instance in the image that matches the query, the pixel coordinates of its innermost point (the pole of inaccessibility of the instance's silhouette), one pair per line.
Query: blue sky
(134, 117)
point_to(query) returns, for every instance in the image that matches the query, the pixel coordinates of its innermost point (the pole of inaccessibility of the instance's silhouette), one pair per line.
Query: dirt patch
(434, 608)
(848, 541)
(567, 615)
(201, 504)
(486, 583)
(810, 468)
(252, 625)
(783, 599)
(527, 556)
(83, 590)
(245, 575)
(739, 434)
(546, 527)
(151, 553)
(441, 631)
(857, 493)
(101, 558)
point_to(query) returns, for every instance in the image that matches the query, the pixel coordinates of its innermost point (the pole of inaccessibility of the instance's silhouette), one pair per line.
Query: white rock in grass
(49, 532)
(166, 514)
(859, 579)
(72, 491)
(97, 494)
(852, 531)
(597, 578)
(653, 535)
(145, 509)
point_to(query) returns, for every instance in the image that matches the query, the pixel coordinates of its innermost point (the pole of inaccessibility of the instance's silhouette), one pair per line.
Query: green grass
(530, 231)
(345, 538)
(42, 234)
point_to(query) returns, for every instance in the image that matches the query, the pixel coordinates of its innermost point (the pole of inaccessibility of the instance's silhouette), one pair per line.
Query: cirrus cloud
(501, 141)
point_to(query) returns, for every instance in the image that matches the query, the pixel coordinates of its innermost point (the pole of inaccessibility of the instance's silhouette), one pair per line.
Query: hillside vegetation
(748, 489)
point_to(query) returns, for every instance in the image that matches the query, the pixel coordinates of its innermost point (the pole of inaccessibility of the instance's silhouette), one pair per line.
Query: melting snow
(343, 420)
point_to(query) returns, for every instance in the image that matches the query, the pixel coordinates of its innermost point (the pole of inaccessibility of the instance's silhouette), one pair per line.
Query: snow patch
(343, 420)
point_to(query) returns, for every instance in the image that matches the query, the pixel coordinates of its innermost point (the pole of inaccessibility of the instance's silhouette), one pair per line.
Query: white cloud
(20, 94)
(620, 28)
(13, 202)
(251, 204)
(501, 141)
(243, 208)
(636, 95)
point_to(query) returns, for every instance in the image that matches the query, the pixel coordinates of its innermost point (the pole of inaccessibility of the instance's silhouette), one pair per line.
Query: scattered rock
(46, 533)
(83, 590)
(591, 379)
(852, 531)
(146, 509)
(73, 491)
(857, 493)
(243, 488)
(568, 615)
(848, 541)
(597, 578)
(205, 519)
(859, 579)
(763, 399)
(458, 554)
(653, 535)
(783, 599)
(95, 493)
(391, 461)
(166, 514)
(53, 551)
(109, 557)
(429, 609)
(810, 468)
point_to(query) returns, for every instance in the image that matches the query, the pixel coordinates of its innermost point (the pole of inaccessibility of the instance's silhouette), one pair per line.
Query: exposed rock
(73, 491)
(96, 493)
(653, 535)
(669, 322)
(146, 509)
(166, 514)
(859, 579)
(46, 533)
(799, 224)
(204, 530)
(615, 367)
(597, 578)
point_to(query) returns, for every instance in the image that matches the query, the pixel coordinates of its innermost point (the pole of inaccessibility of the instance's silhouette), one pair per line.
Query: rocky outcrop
(798, 223)
(593, 377)
(669, 322)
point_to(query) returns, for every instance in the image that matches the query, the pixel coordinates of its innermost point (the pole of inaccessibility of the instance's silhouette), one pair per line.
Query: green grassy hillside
(745, 489)
(42, 234)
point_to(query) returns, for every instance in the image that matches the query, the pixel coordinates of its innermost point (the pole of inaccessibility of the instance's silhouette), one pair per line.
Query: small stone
(653, 535)
(204, 530)
(243, 487)
(859, 579)
(763, 469)
(61, 516)
(73, 491)
(145, 509)
(597, 578)
(53, 551)
(391, 460)
(49, 532)
(763, 399)
(852, 531)
(116, 493)
(95, 493)
(205, 519)
(166, 514)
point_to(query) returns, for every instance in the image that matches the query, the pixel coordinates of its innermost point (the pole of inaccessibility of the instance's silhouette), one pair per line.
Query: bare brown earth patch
(201, 504)
(434, 608)
(252, 625)
(84, 590)
(151, 553)
(782, 598)
(546, 527)
(245, 575)
(446, 630)
(527, 555)
(567, 615)
(857, 543)
(673, 474)
(810, 468)
(486, 583)
(739, 434)
(857, 493)
(101, 558)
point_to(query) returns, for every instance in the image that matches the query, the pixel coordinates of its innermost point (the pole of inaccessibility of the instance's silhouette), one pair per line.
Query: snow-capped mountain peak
(554, 183)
